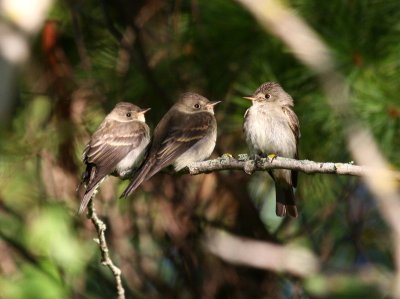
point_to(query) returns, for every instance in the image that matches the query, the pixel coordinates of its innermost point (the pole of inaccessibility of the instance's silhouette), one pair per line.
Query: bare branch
(105, 257)
(249, 166)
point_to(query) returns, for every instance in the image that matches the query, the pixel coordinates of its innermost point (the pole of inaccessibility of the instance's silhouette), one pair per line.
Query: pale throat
(262, 105)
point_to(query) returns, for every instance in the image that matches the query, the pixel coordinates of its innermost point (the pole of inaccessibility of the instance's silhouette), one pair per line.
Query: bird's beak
(212, 104)
(143, 111)
(249, 98)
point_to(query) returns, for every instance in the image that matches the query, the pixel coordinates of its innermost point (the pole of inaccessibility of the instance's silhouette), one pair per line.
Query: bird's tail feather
(86, 198)
(285, 200)
(91, 187)
(140, 176)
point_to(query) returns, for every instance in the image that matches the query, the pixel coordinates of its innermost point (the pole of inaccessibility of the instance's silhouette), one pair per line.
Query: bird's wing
(293, 121)
(295, 127)
(184, 133)
(172, 137)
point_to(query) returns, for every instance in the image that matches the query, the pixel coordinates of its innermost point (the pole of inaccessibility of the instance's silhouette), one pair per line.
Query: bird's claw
(227, 156)
(271, 157)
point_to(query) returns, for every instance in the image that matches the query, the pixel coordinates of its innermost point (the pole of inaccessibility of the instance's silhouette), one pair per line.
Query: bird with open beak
(272, 127)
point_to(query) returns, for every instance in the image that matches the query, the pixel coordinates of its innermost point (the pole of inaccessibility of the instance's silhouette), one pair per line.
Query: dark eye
(128, 114)
(267, 96)
(197, 106)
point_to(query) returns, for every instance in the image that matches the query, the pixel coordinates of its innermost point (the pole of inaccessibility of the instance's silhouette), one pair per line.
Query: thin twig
(105, 257)
(249, 166)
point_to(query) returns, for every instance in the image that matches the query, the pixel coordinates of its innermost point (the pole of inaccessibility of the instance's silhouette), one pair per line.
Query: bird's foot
(271, 157)
(227, 156)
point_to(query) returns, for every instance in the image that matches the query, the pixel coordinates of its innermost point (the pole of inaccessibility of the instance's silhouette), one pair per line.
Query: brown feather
(180, 129)
(172, 137)
(111, 143)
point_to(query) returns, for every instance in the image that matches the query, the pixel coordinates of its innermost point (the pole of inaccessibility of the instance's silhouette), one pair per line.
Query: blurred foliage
(218, 49)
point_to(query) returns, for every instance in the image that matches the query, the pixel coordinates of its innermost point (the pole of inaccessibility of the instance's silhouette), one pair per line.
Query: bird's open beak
(143, 111)
(249, 98)
(212, 104)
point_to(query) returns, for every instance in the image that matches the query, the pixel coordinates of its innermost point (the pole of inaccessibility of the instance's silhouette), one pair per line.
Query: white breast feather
(133, 159)
(269, 133)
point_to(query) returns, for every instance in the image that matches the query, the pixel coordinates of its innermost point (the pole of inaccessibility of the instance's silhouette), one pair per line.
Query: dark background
(89, 55)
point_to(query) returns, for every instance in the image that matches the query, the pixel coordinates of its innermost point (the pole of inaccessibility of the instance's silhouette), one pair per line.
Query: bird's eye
(128, 114)
(197, 106)
(267, 96)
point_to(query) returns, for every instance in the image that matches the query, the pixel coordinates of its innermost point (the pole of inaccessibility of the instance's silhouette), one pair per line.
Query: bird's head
(192, 103)
(270, 92)
(127, 112)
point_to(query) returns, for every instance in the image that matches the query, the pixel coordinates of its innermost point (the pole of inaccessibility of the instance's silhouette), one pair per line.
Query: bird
(116, 147)
(272, 127)
(187, 133)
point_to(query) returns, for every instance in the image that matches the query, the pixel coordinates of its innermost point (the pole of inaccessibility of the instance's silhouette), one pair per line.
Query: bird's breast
(267, 131)
(133, 159)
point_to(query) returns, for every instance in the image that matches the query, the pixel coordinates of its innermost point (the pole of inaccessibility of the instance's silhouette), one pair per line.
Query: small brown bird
(187, 133)
(117, 146)
(272, 127)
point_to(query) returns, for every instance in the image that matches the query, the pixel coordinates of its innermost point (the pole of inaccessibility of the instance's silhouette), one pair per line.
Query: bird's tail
(140, 175)
(285, 200)
(86, 198)
(90, 181)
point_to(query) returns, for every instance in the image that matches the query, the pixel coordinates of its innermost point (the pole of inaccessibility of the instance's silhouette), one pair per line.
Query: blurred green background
(91, 54)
